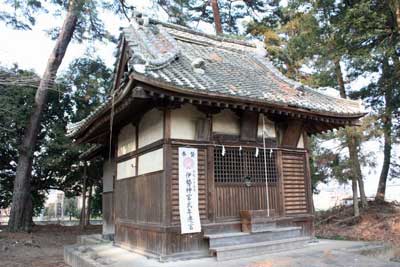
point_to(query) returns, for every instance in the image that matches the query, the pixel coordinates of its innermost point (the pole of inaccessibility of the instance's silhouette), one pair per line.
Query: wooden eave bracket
(216, 103)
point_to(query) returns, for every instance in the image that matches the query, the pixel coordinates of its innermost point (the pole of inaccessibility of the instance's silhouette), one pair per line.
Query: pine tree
(80, 21)
(371, 30)
(229, 13)
(308, 36)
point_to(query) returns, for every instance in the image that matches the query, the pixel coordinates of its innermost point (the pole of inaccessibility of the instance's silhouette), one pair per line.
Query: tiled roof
(231, 68)
(195, 62)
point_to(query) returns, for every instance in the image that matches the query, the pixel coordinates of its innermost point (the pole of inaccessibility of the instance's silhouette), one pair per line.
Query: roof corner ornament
(260, 48)
(146, 21)
(139, 63)
(198, 65)
(156, 47)
(300, 89)
(140, 68)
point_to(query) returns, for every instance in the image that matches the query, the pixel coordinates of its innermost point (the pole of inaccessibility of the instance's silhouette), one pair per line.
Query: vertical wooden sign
(188, 191)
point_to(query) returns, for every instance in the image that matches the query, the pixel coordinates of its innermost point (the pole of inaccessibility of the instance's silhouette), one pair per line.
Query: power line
(33, 83)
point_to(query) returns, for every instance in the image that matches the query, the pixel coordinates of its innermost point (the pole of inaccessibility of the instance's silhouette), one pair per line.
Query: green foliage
(56, 164)
(71, 207)
(21, 15)
(90, 81)
(232, 13)
(97, 201)
(16, 99)
(319, 42)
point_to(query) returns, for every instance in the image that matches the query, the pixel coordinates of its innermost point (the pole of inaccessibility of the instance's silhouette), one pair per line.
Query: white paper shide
(188, 191)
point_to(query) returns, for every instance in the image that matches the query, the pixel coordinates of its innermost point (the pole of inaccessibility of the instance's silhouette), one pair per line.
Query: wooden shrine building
(208, 146)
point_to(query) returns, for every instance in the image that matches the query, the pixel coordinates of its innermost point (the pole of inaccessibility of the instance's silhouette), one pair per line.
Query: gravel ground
(41, 248)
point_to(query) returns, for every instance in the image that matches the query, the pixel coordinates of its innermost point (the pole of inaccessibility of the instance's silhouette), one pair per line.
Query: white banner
(188, 191)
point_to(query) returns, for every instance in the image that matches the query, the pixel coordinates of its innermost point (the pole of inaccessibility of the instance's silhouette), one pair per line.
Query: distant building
(54, 206)
(4, 215)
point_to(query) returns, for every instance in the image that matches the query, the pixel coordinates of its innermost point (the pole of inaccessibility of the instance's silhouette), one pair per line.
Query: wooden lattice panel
(230, 171)
(294, 186)
(202, 183)
(235, 165)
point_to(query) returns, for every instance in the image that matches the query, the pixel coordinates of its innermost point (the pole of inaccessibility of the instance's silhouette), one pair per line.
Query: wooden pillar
(211, 184)
(166, 183)
(83, 210)
(167, 168)
(280, 183)
(308, 173)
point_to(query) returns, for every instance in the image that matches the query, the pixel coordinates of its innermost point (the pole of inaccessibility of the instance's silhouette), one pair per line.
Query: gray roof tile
(165, 53)
(232, 68)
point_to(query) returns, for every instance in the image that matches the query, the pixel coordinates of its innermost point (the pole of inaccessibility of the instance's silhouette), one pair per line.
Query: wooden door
(240, 181)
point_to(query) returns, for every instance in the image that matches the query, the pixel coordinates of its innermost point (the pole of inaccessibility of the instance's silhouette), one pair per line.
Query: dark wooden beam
(292, 133)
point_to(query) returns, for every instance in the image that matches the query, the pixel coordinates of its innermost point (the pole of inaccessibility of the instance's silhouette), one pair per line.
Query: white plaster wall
(183, 122)
(269, 127)
(151, 127)
(151, 161)
(126, 168)
(300, 144)
(226, 122)
(108, 173)
(127, 139)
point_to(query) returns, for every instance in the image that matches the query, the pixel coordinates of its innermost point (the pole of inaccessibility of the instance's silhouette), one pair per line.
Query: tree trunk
(89, 207)
(387, 129)
(380, 193)
(339, 78)
(363, 196)
(395, 6)
(354, 187)
(217, 17)
(20, 211)
(83, 210)
(353, 143)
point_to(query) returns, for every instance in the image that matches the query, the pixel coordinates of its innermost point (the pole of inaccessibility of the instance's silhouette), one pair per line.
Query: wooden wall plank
(296, 197)
(135, 198)
(230, 200)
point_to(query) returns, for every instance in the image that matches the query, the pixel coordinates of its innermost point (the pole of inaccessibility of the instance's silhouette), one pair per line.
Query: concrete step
(87, 256)
(256, 227)
(91, 240)
(258, 248)
(237, 238)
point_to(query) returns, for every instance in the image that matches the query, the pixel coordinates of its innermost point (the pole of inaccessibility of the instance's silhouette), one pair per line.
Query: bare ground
(379, 222)
(44, 246)
(41, 248)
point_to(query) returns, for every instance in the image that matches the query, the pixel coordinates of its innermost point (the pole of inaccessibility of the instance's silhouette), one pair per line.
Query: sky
(30, 50)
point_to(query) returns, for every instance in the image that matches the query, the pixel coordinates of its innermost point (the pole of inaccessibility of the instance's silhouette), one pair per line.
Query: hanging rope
(271, 149)
(265, 165)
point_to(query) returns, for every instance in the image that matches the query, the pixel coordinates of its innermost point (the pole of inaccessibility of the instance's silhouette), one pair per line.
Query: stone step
(91, 239)
(257, 220)
(236, 238)
(87, 256)
(258, 227)
(258, 248)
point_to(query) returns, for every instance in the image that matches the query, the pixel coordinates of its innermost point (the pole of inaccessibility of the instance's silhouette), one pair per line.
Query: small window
(237, 167)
